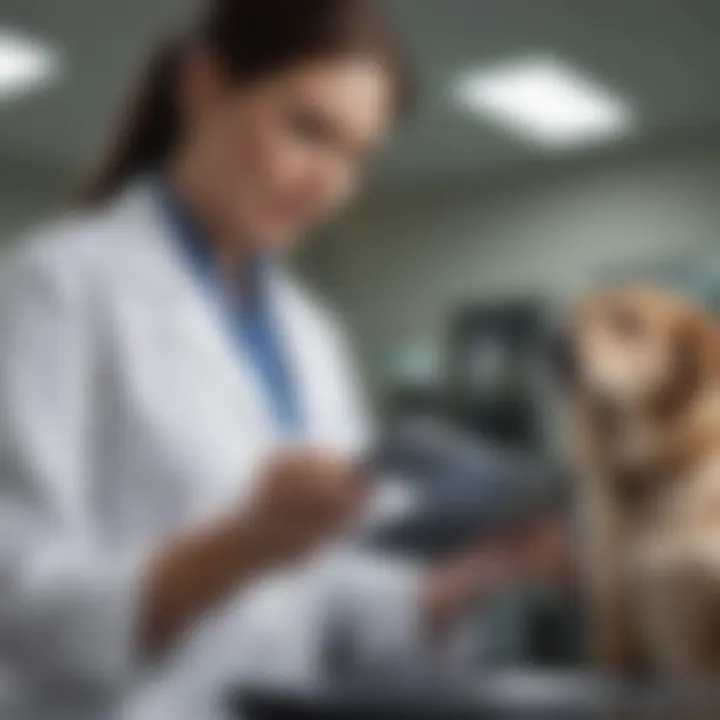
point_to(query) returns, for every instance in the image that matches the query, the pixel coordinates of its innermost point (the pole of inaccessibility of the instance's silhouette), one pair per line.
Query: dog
(639, 372)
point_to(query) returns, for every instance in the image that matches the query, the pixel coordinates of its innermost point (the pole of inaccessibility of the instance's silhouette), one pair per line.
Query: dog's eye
(626, 323)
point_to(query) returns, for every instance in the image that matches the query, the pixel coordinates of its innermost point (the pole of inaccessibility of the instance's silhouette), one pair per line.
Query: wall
(29, 193)
(401, 263)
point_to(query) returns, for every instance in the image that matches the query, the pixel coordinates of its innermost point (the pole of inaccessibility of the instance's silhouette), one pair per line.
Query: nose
(563, 358)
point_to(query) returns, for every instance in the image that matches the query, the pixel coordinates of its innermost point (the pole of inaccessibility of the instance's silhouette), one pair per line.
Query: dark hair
(251, 39)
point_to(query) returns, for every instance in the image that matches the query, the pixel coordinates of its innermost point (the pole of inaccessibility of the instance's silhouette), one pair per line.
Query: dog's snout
(563, 357)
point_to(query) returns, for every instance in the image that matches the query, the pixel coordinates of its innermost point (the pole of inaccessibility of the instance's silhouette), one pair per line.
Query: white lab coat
(126, 415)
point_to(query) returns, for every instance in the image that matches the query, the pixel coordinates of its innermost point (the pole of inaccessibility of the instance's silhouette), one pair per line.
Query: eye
(626, 323)
(311, 126)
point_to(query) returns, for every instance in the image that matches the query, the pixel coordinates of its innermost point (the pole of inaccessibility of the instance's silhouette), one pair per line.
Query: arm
(67, 611)
(613, 634)
(676, 579)
(71, 610)
(190, 575)
(384, 607)
(354, 612)
(301, 498)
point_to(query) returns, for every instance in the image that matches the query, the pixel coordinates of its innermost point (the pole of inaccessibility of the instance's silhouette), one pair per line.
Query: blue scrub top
(247, 313)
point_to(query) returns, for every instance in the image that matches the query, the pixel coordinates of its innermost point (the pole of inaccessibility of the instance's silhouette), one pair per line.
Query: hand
(539, 552)
(548, 554)
(304, 497)
(455, 583)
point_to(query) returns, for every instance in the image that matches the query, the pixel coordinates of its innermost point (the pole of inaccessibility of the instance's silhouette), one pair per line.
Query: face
(277, 157)
(636, 353)
(625, 346)
(640, 374)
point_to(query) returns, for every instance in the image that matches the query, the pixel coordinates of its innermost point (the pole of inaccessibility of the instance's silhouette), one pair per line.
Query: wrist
(249, 542)
(446, 596)
(454, 586)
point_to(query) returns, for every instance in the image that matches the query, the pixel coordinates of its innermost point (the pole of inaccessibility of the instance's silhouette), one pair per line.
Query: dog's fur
(642, 391)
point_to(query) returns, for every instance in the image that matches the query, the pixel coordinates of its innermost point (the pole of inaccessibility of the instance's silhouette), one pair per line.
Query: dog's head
(632, 361)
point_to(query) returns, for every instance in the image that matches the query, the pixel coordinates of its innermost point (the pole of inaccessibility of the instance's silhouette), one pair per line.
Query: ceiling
(663, 54)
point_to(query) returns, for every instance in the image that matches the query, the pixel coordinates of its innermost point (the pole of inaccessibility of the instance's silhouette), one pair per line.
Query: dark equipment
(512, 696)
(466, 490)
(463, 489)
(493, 371)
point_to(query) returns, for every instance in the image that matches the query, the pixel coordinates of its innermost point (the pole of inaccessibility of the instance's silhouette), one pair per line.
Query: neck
(230, 251)
(695, 434)
(677, 451)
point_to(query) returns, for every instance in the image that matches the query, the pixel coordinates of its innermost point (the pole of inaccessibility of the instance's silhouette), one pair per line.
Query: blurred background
(558, 143)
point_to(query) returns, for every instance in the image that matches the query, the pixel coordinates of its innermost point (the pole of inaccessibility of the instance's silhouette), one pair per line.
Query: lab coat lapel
(323, 383)
(162, 272)
(314, 358)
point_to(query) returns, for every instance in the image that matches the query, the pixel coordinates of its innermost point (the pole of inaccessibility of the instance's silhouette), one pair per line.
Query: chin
(279, 240)
(283, 235)
(269, 236)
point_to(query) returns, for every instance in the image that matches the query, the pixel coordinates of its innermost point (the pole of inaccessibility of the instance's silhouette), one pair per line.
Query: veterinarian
(178, 418)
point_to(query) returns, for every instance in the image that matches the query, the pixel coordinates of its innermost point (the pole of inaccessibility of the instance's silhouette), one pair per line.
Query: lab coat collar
(161, 274)
(248, 288)
(160, 261)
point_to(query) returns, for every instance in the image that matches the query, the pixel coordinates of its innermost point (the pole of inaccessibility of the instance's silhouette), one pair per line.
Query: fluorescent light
(547, 101)
(25, 64)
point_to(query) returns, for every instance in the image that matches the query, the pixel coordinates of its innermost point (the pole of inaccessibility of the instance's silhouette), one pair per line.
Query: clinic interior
(485, 216)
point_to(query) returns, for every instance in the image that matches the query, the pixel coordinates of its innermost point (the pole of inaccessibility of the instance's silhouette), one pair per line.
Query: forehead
(646, 305)
(354, 91)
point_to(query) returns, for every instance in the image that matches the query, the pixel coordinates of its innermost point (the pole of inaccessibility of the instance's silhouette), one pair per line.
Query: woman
(177, 417)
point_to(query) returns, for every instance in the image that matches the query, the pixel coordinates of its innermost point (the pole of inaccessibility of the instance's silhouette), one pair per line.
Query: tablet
(462, 488)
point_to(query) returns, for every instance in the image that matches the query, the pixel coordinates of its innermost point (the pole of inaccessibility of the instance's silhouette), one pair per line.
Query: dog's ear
(695, 364)
(707, 339)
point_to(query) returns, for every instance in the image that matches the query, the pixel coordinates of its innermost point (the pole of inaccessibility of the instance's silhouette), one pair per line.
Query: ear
(707, 340)
(689, 366)
(695, 364)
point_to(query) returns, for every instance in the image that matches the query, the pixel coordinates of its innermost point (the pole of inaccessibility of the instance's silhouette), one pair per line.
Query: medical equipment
(458, 488)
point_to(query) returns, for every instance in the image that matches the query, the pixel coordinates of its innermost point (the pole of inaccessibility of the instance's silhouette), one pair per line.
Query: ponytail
(149, 131)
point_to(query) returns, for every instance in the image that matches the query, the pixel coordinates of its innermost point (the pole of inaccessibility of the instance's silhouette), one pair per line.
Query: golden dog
(640, 371)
